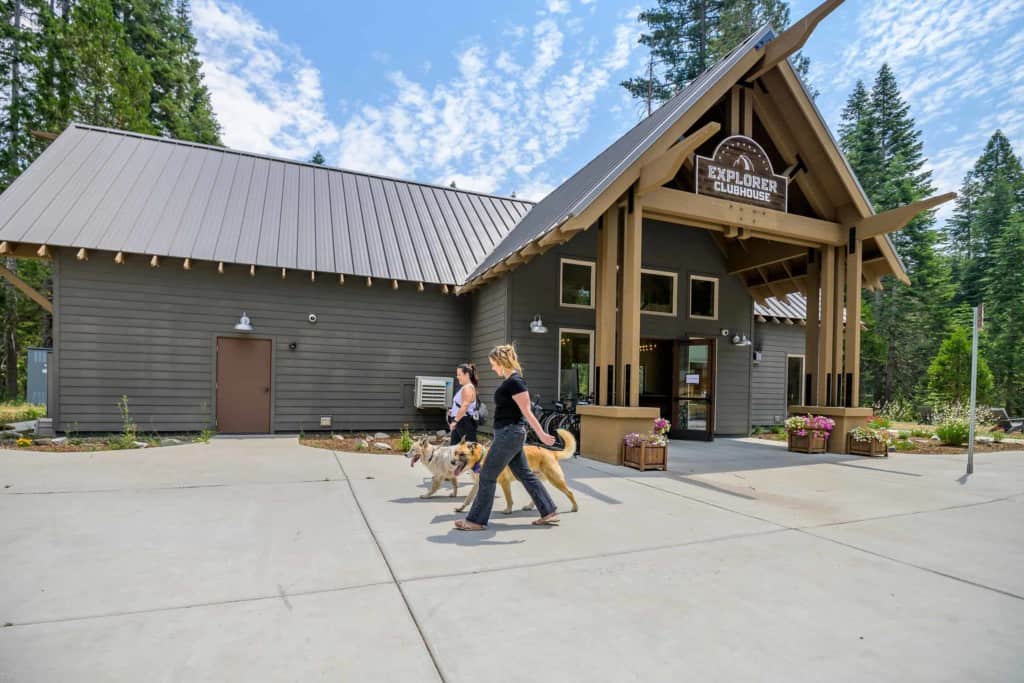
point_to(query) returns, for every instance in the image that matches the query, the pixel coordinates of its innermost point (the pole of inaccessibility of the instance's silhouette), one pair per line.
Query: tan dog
(441, 462)
(543, 461)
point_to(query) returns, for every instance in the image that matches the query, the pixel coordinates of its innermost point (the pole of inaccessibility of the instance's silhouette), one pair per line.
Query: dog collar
(476, 468)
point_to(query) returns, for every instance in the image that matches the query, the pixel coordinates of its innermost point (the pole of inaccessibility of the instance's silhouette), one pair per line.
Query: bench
(1006, 423)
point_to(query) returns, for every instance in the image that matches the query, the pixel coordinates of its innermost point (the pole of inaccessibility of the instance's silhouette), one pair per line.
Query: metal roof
(109, 190)
(791, 307)
(583, 187)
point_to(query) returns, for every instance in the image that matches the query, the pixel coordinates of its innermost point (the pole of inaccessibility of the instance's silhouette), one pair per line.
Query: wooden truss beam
(26, 289)
(895, 219)
(792, 39)
(759, 254)
(664, 168)
(687, 205)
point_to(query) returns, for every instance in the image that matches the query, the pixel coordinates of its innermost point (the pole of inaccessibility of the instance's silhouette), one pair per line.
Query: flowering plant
(661, 426)
(633, 440)
(816, 425)
(869, 433)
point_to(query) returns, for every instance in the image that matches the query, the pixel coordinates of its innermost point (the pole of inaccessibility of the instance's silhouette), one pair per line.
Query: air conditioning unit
(434, 392)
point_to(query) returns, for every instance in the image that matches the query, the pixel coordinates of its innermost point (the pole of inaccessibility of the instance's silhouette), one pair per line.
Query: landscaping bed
(381, 443)
(86, 444)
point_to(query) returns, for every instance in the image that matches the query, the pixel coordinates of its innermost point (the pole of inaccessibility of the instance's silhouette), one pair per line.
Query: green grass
(20, 412)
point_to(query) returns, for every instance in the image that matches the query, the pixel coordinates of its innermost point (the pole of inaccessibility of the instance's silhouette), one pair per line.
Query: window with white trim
(575, 363)
(576, 284)
(658, 292)
(703, 297)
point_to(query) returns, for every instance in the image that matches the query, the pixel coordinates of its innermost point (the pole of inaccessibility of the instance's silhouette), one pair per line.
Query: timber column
(627, 380)
(604, 316)
(854, 271)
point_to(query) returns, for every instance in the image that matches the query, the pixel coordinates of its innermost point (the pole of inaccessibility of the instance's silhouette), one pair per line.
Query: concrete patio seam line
(213, 603)
(897, 515)
(912, 565)
(597, 556)
(387, 563)
(171, 487)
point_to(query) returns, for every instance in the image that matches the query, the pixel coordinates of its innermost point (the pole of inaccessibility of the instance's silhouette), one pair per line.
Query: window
(576, 360)
(704, 297)
(577, 284)
(657, 292)
(794, 381)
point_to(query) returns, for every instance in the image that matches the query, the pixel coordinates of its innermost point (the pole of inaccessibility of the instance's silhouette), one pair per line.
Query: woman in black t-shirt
(511, 415)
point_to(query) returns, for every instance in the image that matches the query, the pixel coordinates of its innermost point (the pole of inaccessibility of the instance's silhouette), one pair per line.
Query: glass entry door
(695, 402)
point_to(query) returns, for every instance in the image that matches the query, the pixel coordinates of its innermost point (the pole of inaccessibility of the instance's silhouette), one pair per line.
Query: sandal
(550, 520)
(466, 525)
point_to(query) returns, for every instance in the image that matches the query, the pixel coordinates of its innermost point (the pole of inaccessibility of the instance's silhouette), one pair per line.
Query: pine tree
(687, 37)
(992, 190)
(160, 32)
(1004, 309)
(110, 83)
(949, 374)
(318, 159)
(884, 146)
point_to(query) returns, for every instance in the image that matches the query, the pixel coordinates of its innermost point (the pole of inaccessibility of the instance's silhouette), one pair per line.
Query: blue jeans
(507, 451)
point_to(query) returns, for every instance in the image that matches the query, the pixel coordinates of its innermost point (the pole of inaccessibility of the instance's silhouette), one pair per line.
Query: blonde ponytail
(505, 357)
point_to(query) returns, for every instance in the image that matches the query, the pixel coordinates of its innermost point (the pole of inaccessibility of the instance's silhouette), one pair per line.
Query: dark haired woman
(462, 415)
(512, 414)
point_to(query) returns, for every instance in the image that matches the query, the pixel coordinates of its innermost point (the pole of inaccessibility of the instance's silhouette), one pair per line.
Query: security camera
(312, 318)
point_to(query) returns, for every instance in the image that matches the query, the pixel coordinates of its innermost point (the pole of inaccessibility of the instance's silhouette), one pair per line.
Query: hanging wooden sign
(740, 170)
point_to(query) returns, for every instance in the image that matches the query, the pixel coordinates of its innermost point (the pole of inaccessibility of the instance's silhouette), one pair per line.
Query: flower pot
(809, 443)
(871, 447)
(645, 457)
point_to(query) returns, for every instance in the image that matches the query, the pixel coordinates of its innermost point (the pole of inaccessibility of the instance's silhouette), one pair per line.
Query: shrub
(949, 374)
(905, 446)
(903, 435)
(919, 433)
(21, 412)
(898, 409)
(953, 432)
(880, 422)
(24, 442)
(998, 436)
(405, 440)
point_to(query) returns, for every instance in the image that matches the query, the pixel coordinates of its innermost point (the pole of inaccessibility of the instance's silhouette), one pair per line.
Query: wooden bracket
(664, 168)
(792, 39)
(26, 289)
(895, 219)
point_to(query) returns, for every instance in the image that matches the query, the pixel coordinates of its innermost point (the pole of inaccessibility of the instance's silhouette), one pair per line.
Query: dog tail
(569, 449)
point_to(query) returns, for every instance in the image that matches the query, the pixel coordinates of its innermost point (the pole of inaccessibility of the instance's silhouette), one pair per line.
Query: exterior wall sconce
(537, 325)
(740, 340)
(244, 324)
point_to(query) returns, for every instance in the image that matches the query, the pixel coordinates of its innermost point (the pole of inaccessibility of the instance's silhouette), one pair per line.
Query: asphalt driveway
(262, 560)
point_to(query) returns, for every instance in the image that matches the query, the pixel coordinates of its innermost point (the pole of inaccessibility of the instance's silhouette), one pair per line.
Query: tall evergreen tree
(992, 190)
(1004, 308)
(686, 37)
(318, 159)
(884, 146)
(160, 32)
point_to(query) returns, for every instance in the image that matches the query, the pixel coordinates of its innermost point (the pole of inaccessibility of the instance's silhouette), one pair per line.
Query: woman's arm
(522, 400)
(468, 397)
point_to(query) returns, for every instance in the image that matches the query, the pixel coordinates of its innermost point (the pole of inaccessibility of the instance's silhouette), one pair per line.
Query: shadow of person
(483, 537)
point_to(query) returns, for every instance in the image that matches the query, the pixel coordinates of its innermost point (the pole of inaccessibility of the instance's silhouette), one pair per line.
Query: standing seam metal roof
(111, 190)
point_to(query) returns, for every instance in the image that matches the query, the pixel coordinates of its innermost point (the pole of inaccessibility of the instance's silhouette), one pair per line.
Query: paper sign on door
(693, 379)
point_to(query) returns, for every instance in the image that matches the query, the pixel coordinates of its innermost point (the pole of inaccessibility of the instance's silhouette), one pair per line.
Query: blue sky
(514, 97)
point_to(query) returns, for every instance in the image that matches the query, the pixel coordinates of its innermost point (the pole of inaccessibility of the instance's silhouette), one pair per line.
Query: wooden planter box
(874, 448)
(645, 457)
(811, 443)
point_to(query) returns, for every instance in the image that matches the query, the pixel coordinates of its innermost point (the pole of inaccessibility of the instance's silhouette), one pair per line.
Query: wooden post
(813, 330)
(628, 373)
(735, 119)
(825, 329)
(837, 327)
(604, 302)
(854, 266)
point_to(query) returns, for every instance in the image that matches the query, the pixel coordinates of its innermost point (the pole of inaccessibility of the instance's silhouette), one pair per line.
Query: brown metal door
(243, 385)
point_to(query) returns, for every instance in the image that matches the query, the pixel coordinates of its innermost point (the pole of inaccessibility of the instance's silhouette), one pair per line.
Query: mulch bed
(88, 444)
(923, 446)
(363, 443)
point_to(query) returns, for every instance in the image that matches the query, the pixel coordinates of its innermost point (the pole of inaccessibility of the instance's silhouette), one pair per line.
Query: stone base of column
(845, 418)
(602, 429)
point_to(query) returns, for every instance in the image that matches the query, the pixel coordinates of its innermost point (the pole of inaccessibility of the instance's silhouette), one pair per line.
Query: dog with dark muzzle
(442, 462)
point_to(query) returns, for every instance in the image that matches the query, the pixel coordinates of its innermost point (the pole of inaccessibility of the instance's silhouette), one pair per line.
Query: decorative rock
(141, 444)
(380, 446)
(169, 442)
(59, 440)
(339, 437)
(440, 433)
(935, 437)
(983, 439)
(380, 435)
(363, 444)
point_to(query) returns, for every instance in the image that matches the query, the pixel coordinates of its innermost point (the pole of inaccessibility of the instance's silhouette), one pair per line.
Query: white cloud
(558, 6)
(498, 121)
(267, 96)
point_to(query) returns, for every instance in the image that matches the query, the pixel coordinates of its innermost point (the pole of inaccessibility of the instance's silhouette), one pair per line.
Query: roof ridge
(271, 157)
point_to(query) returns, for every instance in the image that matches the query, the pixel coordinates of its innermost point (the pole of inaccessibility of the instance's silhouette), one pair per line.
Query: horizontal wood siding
(768, 379)
(150, 334)
(488, 328)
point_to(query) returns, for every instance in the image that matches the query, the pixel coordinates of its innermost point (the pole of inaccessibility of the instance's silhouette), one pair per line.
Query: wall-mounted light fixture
(740, 340)
(537, 325)
(244, 324)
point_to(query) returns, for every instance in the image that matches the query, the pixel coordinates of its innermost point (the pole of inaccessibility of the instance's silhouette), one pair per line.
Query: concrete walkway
(261, 560)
